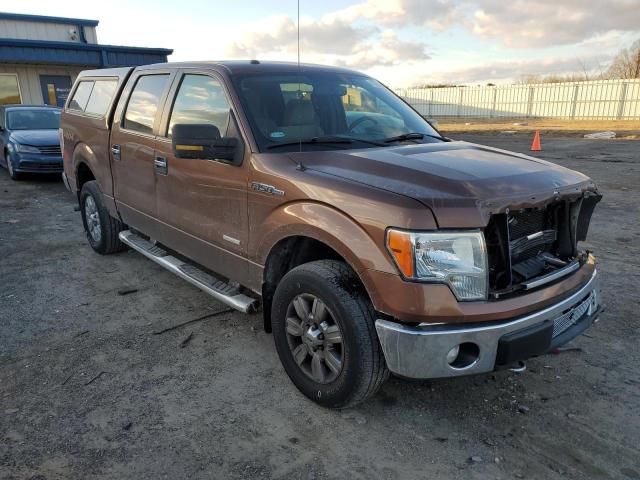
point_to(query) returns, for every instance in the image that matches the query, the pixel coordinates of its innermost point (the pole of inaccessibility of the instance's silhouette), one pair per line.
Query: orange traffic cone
(535, 146)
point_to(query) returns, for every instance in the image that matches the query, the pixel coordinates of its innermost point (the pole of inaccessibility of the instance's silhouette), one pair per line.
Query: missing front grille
(528, 243)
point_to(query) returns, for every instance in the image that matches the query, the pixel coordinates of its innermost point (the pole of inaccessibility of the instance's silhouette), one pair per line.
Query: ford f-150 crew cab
(370, 243)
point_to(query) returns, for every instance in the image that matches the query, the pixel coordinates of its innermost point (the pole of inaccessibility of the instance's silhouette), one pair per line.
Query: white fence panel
(597, 100)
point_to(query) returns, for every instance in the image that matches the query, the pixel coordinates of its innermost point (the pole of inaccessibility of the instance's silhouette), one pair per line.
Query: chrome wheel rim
(93, 219)
(314, 338)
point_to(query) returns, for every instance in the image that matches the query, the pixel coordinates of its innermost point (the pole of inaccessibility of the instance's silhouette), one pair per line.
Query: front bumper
(37, 163)
(421, 352)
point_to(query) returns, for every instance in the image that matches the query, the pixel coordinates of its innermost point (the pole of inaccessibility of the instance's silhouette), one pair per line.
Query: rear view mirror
(202, 141)
(329, 89)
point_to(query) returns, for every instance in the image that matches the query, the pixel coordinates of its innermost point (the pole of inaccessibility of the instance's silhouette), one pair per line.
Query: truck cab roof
(252, 66)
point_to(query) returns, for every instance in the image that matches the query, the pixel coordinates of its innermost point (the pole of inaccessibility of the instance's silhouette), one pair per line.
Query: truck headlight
(26, 148)
(456, 258)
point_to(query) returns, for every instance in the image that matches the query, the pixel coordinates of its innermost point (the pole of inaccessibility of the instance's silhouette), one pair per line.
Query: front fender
(363, 250)
(330, 226)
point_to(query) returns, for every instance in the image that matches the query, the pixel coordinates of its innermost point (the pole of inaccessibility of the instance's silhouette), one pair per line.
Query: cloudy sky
(401, 42)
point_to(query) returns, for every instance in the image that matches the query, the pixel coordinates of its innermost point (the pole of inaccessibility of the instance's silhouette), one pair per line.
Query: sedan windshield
(35, 119)
(315, 110)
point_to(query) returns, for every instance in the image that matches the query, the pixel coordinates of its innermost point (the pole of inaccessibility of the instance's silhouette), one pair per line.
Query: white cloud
(279, 34)
(513, 70)
(437, 14)
(331, 39)
(517, 23)
(522, 23)
(386, 50)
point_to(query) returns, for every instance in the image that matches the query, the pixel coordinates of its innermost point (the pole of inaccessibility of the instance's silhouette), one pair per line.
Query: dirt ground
(89, 390)
(624, 129)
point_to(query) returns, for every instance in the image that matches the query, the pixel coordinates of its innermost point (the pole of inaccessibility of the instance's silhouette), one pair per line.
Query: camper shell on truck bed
(369, 242)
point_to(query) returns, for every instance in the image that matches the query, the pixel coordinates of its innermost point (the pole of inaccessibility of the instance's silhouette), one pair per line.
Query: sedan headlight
(456, 258)
(26, 148)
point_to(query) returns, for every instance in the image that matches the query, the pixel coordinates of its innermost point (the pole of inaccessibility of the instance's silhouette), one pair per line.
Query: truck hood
(36, 138)
(462, 183)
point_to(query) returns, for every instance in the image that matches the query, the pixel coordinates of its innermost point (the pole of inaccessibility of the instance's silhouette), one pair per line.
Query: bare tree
(555, 78)
(627, 63)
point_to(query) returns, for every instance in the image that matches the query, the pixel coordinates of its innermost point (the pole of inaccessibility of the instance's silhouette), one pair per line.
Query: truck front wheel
(101, 228)
(323, 327)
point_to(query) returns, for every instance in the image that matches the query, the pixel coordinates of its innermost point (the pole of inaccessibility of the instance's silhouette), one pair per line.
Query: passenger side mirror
(203, 142)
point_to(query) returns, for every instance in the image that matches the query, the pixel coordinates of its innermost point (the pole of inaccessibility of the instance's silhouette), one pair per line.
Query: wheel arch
(290, 252)
(86, 166)
(83, 174)
(320, 231)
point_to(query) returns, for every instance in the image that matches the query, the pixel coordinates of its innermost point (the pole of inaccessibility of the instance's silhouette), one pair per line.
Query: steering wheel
(362, 120)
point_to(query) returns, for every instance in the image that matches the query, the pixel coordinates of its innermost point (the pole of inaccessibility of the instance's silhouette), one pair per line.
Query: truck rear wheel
(323, 327)
(101, 228)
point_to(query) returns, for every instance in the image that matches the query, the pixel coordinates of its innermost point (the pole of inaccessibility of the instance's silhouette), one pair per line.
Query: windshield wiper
(313, 140)
(412, 136)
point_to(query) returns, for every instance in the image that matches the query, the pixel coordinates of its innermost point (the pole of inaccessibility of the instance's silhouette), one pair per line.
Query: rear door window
(101, 96)
(81, 96)
(144, 102)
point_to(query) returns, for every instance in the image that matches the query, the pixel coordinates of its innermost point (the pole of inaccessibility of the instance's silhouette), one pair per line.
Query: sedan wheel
(12, 173)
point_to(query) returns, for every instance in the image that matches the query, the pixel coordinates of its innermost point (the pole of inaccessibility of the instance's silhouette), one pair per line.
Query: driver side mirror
(203, 142)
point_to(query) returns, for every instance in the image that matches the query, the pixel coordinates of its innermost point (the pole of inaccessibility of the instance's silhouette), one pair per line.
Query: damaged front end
(530, 245)
(533, 246)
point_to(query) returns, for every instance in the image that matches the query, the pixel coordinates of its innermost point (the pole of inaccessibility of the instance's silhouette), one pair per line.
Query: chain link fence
(593, 100)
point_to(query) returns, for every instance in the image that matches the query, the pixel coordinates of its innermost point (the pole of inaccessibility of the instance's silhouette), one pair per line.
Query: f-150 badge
(264, 188)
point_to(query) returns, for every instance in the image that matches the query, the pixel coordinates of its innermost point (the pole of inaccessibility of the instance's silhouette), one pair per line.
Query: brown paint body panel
(210, 212)
(435, 303)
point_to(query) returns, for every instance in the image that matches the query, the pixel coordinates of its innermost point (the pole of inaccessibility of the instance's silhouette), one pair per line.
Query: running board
(218, 289)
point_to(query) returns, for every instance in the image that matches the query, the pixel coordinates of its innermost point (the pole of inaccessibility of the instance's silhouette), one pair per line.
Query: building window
(9, 89)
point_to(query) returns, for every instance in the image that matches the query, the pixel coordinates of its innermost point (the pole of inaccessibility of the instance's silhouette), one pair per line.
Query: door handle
(160, 165)
(115, 151)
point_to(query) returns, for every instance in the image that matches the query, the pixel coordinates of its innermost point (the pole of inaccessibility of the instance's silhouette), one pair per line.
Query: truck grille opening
(530, 244)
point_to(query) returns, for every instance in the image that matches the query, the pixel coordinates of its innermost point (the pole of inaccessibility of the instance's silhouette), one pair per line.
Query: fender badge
(264, 188)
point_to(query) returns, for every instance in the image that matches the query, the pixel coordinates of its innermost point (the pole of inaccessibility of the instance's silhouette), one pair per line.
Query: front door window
(200, 99)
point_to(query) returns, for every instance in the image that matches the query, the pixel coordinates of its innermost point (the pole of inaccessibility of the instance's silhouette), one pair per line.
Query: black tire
(108, 241)
(12, 173)
(364, 369)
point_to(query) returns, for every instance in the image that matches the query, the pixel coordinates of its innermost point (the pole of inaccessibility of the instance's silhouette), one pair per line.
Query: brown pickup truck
(371, 243)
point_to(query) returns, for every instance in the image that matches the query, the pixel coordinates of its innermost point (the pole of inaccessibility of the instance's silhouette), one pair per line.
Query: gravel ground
(89, 389)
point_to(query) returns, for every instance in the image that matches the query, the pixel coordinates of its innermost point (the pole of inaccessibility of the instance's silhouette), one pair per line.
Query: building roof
(46, 19)
(82, 54)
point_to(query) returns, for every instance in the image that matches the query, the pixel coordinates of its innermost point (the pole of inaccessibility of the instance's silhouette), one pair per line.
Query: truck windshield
(36, 119)
(308, 107)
